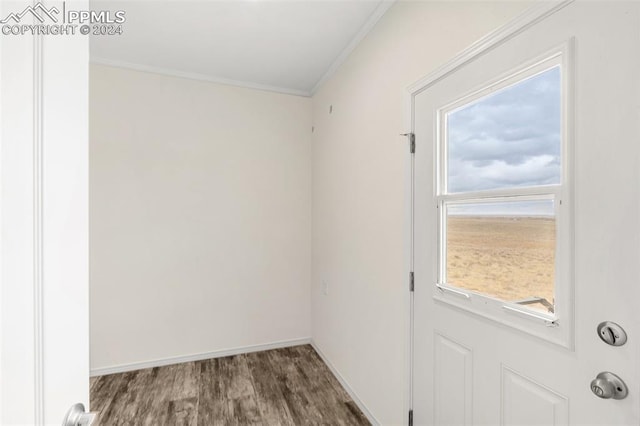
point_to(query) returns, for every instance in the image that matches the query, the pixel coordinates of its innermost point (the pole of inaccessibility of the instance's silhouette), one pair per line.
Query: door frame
(23, 128)
(43, 222)
(527, 19)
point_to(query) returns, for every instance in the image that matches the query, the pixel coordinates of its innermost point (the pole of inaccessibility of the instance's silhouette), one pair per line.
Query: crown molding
(373, 19)
(196, 76)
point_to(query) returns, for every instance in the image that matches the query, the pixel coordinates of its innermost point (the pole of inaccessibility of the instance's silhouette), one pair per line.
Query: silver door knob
(607, 385)
(77, 416)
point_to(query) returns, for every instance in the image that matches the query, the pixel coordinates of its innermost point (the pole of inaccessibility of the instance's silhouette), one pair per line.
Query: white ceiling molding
(300, 71)
(366, 28)
(196, 76)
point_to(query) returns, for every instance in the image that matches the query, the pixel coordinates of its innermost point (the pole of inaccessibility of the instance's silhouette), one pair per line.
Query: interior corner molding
(371, 22)
(196, 76)
(529, 17)
(354, 396)
(123, 368)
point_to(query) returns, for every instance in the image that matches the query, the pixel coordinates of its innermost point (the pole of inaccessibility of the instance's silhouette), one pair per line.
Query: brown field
(510, 258)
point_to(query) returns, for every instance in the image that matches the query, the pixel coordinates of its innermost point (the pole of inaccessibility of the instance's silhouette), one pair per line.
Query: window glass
(511, 138)
(505, 250)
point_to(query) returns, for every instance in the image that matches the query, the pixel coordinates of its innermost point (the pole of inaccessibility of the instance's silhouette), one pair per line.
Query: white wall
(201, 207)
(200, 217)
(359, 170)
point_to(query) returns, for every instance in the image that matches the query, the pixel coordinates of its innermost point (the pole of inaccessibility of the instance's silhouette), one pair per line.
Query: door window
(501, 183)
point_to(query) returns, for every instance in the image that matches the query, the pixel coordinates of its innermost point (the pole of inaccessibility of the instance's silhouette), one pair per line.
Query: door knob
(607, 385)
(77, 416)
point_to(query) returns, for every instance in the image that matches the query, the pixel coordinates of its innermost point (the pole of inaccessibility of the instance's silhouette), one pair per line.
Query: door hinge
(411, 281)
(410, 417)
(412, 141)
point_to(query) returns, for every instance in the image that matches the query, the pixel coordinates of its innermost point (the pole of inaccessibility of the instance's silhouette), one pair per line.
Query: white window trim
(558, 327)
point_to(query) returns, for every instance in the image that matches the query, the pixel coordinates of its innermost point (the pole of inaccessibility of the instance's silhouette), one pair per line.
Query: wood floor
(290, 386)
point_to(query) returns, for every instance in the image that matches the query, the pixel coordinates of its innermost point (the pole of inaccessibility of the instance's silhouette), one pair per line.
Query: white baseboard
(102, 371)
(347, 387)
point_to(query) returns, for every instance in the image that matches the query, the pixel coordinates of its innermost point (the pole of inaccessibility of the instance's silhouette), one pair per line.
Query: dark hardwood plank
(183, 412)
(354, 416)
(92, 382)
(269, 397)
(183, 398)
(329, 396)
(124, 407)
(295, 388)
(240, 395)
(186, 382)
(289, 386)
(212, 407)
(317, 365)
(102, 392)
(154, 405)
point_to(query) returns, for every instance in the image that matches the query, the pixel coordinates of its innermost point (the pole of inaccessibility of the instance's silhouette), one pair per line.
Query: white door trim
(44, 231)
(530, 17)
(21, 137)
(38, 240)
(527, 19)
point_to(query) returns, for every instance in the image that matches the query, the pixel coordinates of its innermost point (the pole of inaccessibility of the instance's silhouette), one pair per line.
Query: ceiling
(284, 46)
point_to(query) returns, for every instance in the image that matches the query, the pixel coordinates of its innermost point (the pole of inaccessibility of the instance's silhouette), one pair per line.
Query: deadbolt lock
(609, 386)
(612, 334)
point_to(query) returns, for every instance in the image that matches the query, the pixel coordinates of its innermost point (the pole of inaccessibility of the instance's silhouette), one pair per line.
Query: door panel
(65, 220)
(526, 402)
(517, 369)
(453, 379)
(44, 351)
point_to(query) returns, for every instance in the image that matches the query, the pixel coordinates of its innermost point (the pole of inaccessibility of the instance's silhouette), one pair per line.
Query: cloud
(509, 139)
(533, 171)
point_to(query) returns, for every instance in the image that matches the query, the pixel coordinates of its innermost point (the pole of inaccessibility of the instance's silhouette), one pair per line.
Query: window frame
(558, 326)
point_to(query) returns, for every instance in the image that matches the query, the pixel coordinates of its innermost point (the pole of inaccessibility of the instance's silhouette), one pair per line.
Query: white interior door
(527, 225)
(44, 353)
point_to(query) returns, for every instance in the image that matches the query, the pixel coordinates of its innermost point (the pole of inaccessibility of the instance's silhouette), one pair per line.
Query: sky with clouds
(508, 139)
